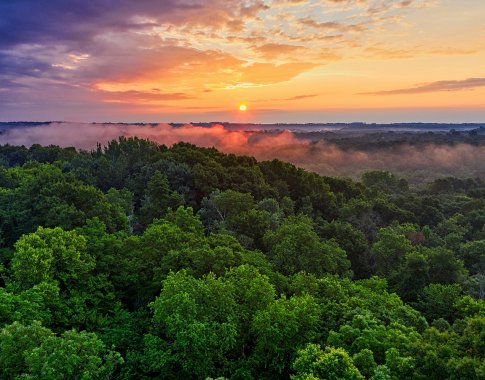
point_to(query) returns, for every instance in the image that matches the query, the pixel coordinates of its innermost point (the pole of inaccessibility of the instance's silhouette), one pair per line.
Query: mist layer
(415, 162)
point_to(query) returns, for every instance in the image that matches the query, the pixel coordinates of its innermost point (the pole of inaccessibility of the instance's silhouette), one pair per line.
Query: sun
(243, 107)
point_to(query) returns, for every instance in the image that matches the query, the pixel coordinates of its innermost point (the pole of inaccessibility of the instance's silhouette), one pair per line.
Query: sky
(198, 60)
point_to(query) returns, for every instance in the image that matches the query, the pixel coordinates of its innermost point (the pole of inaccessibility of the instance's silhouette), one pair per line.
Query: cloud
(411, 52)
(291, 98)
(123, 48)
(376, 7)
(190, 69)
(268, 73)
(144, 97)
(275, 50)
(78, 21)
(43, 39)
(389, 53)
(299, 97)
(332, 25)
(445, 85)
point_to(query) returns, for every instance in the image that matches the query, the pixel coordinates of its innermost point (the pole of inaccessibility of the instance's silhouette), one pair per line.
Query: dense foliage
(138, 261)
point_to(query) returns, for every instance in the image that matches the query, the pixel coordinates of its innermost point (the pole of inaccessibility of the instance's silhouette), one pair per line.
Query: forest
(140, 261)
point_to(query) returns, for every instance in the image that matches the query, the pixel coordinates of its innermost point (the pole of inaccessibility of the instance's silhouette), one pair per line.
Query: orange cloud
(189, 70)
(273, 50)
(268, 73)
(141, 97)
(332, 25)
(445, 85)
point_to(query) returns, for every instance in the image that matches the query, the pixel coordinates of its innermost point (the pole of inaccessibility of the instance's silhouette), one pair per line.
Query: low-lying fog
(415, 162)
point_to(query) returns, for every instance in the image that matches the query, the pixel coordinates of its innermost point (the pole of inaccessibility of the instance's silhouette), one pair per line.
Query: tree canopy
(138, 261)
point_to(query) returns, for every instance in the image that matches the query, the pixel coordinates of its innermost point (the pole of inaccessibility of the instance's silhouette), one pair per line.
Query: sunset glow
(243, 107)
(303, 60)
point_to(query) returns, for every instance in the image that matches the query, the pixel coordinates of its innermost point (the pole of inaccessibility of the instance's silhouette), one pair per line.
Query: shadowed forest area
(139, 261)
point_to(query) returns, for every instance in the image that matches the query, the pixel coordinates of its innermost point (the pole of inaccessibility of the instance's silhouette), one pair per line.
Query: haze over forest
(418, 152)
